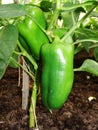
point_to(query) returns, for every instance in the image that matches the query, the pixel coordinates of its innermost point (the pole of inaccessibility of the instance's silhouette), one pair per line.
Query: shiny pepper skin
(37, 14)
(57, 73)
(31, 33)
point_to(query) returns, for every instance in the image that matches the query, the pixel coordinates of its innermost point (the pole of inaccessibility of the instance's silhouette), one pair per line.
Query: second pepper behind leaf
(31, 32)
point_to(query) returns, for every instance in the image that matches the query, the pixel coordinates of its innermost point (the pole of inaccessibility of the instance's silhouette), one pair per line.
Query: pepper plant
(48, 34)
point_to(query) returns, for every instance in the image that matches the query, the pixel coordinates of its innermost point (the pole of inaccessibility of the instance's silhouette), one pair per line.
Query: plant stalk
(32, 110)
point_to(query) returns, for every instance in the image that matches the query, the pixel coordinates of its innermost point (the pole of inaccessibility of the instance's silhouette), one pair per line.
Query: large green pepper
(31, 33)
(57, 73)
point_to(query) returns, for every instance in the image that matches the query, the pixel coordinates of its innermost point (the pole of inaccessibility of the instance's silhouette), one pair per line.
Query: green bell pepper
(57, 73)
(30, 31)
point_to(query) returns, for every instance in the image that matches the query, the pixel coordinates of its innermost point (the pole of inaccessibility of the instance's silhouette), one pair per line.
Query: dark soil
(78, 113)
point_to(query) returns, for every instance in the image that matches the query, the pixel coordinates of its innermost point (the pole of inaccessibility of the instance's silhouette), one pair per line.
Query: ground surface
(78, 113)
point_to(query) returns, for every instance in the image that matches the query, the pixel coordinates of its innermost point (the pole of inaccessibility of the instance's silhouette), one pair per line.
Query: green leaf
(67, 19)
(96, 53)
(11, 63)
(70, 6)
(59, 32)
(88, 1)
(87, 37)
(90, 66)
(15, 57)
(70, 18)
(12, 11)
(8, 41)
(78, 48)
